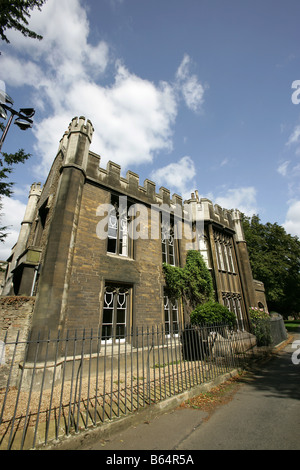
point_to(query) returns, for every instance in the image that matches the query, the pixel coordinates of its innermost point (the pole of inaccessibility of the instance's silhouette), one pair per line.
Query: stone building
(92, 246)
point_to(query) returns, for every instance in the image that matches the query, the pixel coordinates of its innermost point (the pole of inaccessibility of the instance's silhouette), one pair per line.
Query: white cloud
(224, 162)
(189, 85)
(177, 177)
(243, 198)
(12, 213)
(124, 132)
(133, 117)
(292, 222)
(294, 140)
(282, 169)
(296, 170)
(48, 134)
(69, 76)
(19, 72)
(64, 50)
(295, 136)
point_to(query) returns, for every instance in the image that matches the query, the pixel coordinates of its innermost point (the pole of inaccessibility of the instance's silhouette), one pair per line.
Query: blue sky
(193, 94)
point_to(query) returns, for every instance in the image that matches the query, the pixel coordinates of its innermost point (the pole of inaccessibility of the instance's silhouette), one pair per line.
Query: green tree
(14, 14)
(275, 260)
(7, 162)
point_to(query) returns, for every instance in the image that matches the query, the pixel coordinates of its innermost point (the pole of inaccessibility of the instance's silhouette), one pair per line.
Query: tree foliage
(7, 161)
(14, 14)
(275, 260)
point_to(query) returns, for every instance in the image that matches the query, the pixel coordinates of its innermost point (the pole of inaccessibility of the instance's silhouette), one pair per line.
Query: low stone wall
(15, 322)
(277, 329)
(15, 315)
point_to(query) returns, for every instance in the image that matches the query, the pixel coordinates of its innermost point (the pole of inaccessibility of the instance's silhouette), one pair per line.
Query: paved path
(264, 413)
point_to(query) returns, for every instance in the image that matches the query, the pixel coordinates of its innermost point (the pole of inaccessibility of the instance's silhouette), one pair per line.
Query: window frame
(233, 302)
(169, 243)
(115, 306)
(169, 310)
(117, 228)
(224, 253)
(204, 247)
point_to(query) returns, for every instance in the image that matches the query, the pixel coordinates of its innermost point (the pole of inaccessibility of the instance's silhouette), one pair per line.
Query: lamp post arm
(13, 113)
(6, 130)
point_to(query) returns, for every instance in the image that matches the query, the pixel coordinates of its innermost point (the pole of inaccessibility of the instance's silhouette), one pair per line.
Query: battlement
(110, 177)
(81, 125)
(198, 209)
(130, 184)
(35, 189)
(204, 209)
(77, 125)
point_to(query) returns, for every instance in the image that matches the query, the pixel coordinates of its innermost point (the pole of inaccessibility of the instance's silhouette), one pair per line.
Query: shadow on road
(278, 376)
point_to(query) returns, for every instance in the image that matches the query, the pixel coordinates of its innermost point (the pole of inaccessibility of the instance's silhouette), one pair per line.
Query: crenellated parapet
(75, 146)
(130, 184)
(76, 142)
(198, 209)
(81, 125)
(203, 209)
(77, 125)
(35, 189)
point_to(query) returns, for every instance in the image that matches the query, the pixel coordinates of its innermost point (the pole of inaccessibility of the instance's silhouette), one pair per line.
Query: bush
(213, 312)
(260, 326)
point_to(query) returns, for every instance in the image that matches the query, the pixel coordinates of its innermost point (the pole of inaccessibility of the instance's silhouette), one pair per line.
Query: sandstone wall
(15, 321)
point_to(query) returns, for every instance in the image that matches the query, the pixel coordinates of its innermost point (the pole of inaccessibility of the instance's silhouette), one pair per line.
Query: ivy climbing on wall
(193, 283)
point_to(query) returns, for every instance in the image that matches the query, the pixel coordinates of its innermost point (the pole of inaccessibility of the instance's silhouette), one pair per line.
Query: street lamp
(24, 115)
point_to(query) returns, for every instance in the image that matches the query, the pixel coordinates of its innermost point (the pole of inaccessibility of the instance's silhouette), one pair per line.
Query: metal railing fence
(52, 387)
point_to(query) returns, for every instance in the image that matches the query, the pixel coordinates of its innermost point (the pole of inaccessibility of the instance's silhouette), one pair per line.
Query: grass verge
(292, 325)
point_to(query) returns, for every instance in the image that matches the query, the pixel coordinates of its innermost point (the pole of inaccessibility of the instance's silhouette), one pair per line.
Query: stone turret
(56, 268)
(29, 217)
(239, 232)
(243, 256)
(79, 138)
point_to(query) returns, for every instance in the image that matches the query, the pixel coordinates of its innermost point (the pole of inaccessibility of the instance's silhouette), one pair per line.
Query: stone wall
(260, 294)
(15, 322)
(15, 315)
(92, 266)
